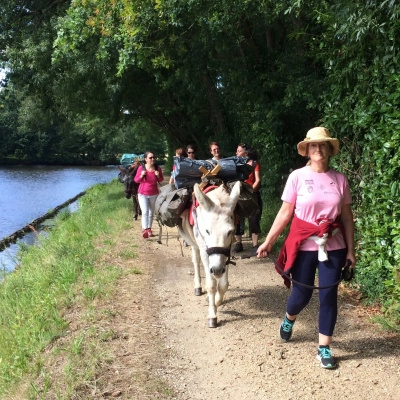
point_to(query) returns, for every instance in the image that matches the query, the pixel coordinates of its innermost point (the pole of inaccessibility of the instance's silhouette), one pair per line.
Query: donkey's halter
(226, 251)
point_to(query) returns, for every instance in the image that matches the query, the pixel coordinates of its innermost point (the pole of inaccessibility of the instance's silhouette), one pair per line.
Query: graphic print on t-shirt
(309, 183)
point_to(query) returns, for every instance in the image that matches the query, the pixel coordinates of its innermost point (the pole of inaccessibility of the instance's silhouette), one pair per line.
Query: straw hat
(317, 135)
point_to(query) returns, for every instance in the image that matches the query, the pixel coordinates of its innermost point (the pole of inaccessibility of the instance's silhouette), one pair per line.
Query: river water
(28, 192)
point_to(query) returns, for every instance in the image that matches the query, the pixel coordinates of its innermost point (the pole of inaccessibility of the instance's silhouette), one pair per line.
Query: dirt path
(164, 349)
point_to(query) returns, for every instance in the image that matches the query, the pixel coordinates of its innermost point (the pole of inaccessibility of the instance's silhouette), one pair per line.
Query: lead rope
(285, 274)
(226, 251)
(346, 275)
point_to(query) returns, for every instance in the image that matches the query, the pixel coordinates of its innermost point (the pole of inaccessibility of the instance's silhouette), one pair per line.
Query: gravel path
(244, 357)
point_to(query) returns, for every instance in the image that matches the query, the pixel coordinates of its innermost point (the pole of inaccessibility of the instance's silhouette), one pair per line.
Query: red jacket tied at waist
(299, 231)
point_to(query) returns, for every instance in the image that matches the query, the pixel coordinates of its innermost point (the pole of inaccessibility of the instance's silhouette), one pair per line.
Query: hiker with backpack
(148, 176)
(254, 179)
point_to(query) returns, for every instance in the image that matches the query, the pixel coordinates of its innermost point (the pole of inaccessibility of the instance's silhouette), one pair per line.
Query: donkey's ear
(234, 196)
(203, 200)
(121, 168)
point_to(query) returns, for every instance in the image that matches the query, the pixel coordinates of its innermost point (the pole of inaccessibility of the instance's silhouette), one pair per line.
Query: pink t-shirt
(148, 185)
(318, 196)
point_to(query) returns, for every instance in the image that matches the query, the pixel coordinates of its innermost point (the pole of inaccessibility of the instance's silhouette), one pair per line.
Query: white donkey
(210, 238)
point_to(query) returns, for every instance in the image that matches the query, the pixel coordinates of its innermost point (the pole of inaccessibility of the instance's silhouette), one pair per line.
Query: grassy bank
(64, 269)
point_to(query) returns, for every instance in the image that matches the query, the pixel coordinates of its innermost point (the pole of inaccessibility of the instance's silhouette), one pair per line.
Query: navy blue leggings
(329, 272)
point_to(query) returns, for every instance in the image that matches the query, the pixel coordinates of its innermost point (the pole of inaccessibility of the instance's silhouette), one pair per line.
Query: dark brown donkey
(126, 176)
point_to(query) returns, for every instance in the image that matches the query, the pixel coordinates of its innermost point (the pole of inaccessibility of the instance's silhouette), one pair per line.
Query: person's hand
(156, 173)
(142, 174)
(351, 257)
(263, 250)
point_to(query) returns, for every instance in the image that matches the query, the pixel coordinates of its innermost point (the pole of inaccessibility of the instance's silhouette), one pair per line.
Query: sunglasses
(215, 150)
(151, 158)
(190, 152)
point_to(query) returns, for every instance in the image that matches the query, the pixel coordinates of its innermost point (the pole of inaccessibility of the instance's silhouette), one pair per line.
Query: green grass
(271, 207)
(51, 277)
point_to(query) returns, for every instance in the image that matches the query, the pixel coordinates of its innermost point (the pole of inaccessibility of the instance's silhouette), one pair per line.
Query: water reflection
(9, 257)
(28, 192)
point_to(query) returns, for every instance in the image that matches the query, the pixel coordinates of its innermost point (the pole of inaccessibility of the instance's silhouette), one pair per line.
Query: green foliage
(271, 206)
(197, 71)
(359, 49)
(60, 113)
(204, 71)
(139, 136)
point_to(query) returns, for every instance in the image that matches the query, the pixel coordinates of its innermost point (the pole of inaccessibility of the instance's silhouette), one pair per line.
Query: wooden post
(208, 174)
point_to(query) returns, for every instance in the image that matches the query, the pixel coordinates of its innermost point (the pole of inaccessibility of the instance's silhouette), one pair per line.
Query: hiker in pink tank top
(148, 176)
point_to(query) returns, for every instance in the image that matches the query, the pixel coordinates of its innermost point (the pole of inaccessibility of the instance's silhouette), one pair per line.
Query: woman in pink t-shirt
(148, 176)
(321, 236)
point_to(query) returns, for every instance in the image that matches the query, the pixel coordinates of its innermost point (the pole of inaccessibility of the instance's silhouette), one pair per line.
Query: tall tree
(200, 71)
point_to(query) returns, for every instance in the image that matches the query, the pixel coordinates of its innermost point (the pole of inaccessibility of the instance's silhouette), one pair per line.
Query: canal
(28, 192)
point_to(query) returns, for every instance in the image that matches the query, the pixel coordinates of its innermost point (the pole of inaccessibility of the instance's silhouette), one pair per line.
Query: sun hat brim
(317, 135)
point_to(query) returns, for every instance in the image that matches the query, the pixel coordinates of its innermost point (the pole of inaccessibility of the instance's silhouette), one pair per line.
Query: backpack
(247, 204)
(170, 204)
(143, 164)
(127, 159)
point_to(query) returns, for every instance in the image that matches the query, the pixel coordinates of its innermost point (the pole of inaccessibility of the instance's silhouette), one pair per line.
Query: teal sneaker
(286, 329)
(325, 357)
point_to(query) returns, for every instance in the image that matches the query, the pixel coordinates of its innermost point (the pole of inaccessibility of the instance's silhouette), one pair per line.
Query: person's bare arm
(348, 223)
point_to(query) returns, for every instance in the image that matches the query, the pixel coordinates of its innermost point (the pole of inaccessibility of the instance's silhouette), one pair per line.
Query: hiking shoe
(286, 330)
(254, 251)
(238, 247)
(149, 233)
(325, 356)
(145, 233)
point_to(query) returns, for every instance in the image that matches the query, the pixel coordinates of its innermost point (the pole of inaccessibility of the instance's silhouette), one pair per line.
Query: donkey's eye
(207, 232)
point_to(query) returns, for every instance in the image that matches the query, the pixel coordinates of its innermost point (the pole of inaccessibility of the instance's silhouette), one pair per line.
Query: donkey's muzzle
(217, 272)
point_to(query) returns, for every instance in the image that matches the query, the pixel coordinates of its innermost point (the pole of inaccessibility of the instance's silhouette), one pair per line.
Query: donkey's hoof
(198, 291)
(135, 217)
(212, 322)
